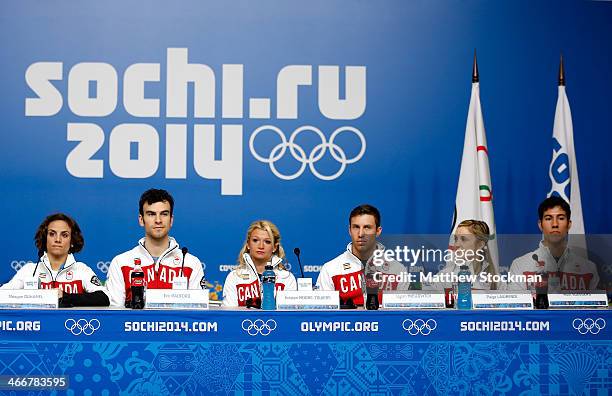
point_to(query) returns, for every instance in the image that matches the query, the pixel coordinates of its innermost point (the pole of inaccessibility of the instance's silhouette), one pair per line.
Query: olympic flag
(563, 169)
(474, 193)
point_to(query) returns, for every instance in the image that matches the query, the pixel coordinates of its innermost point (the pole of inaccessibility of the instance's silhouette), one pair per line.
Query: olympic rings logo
(82, 326)
(103, 266)
(258, 326)
(17, 264)
(419, 326)
(589, 325)
(298, 153)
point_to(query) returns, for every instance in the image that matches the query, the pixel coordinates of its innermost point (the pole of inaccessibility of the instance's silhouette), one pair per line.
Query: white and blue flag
(563, 170)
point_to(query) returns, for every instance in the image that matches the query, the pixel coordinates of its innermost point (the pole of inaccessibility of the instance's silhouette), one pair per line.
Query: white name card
(304, 284)
(499, 299)
(289, 300)
(177, 299)
(578, 300)
(32, 283)
(179, 283)
(413, 299)
(38, 298)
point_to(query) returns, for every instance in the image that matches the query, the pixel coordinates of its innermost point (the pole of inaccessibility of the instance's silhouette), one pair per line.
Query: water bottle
(464, 288)
(541, 287)
(372, 287)
(138, 286)
(268, 283)
(415, 274)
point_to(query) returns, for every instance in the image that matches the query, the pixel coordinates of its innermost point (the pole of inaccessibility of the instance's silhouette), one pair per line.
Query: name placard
(177, 299)
(289, 300)
(32, 283)
(499, 299)
(36, 299)
(413, 299)
(578, 299)
(304, 284)
(180, 283)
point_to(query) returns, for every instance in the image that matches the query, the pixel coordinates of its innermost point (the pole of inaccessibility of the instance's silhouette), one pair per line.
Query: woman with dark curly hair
(57, 237)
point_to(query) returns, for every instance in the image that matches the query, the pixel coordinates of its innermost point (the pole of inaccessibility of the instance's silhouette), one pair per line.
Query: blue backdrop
(403, 81)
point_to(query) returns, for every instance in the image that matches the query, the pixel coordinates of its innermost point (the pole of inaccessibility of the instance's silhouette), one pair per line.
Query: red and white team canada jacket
(243, 283)
(157, 275)
(570, 272)
(345, 273)
(73, 277)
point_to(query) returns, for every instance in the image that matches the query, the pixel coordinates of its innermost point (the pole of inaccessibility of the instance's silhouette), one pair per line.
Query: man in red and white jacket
(565, 269)
(160, 256)
(345, 273)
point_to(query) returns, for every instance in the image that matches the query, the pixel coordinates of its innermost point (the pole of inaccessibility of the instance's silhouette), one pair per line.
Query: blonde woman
(471, 249)
(262, 246)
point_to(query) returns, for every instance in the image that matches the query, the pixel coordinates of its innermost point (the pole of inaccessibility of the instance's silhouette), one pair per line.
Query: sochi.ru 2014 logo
(588, 325)
(135, 148)
(258, 326)
(419, 326)
(82, 326)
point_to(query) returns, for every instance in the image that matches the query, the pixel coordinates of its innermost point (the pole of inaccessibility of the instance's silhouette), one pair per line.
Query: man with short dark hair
(565, 269)
(160, 255)
(345, 273)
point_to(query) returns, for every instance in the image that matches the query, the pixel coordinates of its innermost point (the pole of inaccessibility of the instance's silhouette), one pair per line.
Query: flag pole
(561, 72)
(475, 77)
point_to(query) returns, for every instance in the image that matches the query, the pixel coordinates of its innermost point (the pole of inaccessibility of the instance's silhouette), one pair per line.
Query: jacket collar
(69, 262)
(349, 251)
(544, 250)
(251, 265)
(173, 244)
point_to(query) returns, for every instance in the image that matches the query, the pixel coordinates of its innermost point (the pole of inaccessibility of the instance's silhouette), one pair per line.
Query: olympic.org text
(431, 278)
(20, 325)
(188, 327)
(404, 254)
(505, 325)
(339, 326)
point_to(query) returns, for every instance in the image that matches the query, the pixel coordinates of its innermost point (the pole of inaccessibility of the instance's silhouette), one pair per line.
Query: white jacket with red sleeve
(158, 275)
(345, 274)
(73, 277)
(243, 283)
(569, 272)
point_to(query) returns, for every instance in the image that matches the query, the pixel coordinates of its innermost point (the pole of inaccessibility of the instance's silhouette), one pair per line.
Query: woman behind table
(57, 237)
(262, 245)
(471, 238)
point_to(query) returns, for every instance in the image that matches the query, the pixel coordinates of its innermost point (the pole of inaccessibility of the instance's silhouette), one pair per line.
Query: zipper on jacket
(159, 259)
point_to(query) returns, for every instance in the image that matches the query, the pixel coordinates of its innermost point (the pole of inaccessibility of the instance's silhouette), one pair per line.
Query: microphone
(40, 254)
(184, 250)
(296, 251)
